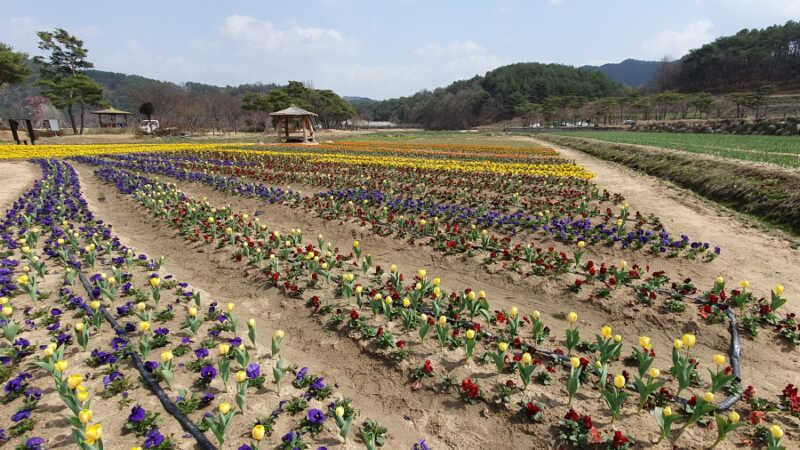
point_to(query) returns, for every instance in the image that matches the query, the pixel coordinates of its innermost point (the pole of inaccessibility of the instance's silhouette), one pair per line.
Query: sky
(377, 49)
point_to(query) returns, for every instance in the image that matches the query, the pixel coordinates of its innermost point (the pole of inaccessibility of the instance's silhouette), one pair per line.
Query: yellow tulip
(251, 323)
(581, 244)
(617, 338)
(689, 340)
(3, 300)
(537, 315)
(437, 282)
(144, 326)
(623, 264)
(779, 290)
(22, 279)
(95, 305)
(85, 416)
(339, 411)
(393, 269)
(471, 295)
(503, 346)
(606, 332)
(223, 348)
(575, 362)
(667, 411)
(422, 273)
(572, 317)
(733, 417)
(224, 407)
(619, 381)
(7, 311)
(406, 302)
(644, 341)
(141, 306)
(442, 320)
(192, 311)
(155, 281)
(231, 306)
(678, 344)
(470, 334)
(481, 294)
(513, 312)
(82, 395)
(526, 358)
(241, 376)
(744, 284)
(279, 334)
(720, 280)
(719, 360)
(258, 432)
(79, 326)
(61, 365)
(777, 431)
(654, 373)
(423, 317)
(74, 380)
(166, 356)
(94, 433)
(355, 244)
(709, 397)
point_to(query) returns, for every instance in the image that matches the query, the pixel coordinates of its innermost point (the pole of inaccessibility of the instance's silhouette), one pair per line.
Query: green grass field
(781, 150)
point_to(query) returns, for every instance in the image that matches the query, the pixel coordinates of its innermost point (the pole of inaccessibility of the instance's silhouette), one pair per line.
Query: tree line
(744, 61)
(65, 80)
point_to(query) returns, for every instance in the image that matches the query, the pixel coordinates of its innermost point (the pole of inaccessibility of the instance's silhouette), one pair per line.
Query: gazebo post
(310, 127)
(305, 130)
(286, 128)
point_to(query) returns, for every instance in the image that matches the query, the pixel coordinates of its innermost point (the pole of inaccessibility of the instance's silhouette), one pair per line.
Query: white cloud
(262, 35)
(676, 43)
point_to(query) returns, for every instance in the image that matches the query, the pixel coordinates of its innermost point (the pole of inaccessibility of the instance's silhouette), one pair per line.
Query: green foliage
(331, 108)
(499, 95)
(745, 60)
(12, 66)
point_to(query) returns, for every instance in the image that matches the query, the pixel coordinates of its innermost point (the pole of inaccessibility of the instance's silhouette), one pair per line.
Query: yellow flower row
(59, 151)
(547, 169)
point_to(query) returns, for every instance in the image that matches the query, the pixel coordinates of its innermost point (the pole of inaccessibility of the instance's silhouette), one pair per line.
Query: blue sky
(377, 49)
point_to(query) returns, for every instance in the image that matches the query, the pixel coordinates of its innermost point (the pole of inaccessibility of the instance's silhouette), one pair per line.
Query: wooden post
(286, 127)
(305, 130)
(30, 131)
(13, 124)
(311, 127)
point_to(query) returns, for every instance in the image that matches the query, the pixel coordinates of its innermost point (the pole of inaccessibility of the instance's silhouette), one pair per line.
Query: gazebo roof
(292, 110)
(112, 110)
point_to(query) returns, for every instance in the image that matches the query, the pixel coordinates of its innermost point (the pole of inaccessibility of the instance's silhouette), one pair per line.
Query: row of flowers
(236, 227)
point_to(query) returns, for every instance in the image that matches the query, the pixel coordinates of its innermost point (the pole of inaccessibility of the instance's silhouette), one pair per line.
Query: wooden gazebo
(112, 118)
(296, 117)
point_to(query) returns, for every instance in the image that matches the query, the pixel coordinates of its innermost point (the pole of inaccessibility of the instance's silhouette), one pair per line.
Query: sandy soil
(764, 258)
(15, 178)
(504, 291)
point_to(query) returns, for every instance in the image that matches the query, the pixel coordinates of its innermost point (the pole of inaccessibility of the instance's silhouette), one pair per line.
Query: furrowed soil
(383, 392)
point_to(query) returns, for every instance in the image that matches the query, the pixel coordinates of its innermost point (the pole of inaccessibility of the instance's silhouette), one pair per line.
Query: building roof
(292, 110)
(111, 111)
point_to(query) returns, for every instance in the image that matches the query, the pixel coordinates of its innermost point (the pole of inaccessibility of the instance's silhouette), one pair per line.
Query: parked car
(148, 126)
(630, 122)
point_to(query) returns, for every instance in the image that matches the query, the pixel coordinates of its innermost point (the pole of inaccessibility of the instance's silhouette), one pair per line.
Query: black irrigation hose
(187, 424)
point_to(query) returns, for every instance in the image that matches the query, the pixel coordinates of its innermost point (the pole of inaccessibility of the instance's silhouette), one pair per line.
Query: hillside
(631, 72)
(485, 99)
(123, 91)
(745, 61)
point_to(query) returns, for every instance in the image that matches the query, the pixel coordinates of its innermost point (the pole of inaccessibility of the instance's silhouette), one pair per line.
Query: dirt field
(379, 386)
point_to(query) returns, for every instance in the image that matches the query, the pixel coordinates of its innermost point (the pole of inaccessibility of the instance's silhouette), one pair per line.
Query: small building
(112, 118)
(293, 119)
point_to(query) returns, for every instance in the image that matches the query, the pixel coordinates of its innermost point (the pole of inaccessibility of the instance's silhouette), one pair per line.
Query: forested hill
(631, 72)
(746, 60)
(495, 96)
(125, 92)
